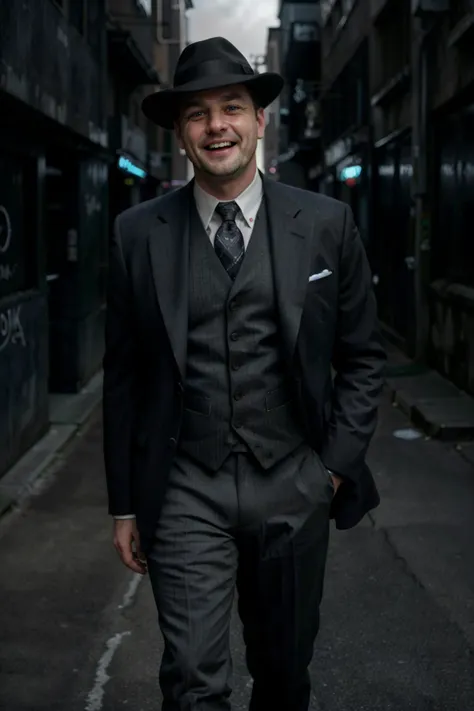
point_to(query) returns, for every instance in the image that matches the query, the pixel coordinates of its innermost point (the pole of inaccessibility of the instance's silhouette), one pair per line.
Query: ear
(260, 123)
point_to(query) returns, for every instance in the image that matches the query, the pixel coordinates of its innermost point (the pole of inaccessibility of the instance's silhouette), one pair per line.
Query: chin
(223, 169)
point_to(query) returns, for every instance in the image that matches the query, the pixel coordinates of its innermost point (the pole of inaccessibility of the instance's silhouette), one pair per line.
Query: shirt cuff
(124, 518)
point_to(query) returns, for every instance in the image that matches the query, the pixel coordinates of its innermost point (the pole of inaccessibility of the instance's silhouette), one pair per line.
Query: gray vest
(238, 396)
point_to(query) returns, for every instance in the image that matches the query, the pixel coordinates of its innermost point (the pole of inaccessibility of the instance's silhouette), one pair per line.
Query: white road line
(132, 589)
(96, 695)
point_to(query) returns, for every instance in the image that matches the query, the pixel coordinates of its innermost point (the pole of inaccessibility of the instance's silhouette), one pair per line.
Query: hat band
(212, 67)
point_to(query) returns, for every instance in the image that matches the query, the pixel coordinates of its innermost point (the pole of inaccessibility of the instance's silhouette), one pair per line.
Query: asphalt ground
(78, 632)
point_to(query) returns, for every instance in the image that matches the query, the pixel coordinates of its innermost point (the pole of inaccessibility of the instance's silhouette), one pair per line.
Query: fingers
(139, 553)
(130, 560)
(134, 561)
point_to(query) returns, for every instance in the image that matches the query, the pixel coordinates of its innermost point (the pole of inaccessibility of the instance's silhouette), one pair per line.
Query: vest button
(233, 305)
(235, 366)
(238, 396)
(238, 424)
(234, 336)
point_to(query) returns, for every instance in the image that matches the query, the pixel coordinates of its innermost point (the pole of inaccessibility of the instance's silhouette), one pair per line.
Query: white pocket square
(320, 275)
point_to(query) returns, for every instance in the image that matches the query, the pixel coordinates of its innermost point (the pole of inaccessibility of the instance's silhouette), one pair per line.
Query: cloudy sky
(243, 22)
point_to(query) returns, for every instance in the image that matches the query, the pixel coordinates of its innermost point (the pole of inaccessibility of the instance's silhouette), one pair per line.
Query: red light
(350, 182)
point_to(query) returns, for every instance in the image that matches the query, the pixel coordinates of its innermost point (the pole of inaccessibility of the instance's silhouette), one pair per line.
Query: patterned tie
(229, 242)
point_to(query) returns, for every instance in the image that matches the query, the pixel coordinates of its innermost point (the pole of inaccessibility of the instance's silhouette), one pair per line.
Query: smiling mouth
(219, 146)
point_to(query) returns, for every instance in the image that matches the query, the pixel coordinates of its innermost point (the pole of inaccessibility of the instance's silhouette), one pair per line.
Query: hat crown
(215, 49)
(205, 66)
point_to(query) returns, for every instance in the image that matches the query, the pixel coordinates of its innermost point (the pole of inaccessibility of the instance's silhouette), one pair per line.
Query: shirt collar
(248, 201)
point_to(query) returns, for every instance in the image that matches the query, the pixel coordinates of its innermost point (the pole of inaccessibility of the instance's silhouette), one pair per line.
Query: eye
(195, 115)
(232, 108)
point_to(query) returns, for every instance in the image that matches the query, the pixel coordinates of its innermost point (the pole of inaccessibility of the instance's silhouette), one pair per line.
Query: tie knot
(227, 210)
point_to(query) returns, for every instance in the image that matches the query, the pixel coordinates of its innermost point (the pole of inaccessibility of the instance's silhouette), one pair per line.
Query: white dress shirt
(249, 203)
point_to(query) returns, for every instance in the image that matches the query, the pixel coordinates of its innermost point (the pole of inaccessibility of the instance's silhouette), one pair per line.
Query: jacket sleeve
(119, 381)
(358, 361)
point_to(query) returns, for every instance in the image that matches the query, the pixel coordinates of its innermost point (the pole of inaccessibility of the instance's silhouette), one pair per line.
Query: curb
(69, 414)
(434, 405)
(431, 402)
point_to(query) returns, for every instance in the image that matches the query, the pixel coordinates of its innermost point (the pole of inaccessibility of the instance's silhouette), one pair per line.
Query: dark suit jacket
(323, 322)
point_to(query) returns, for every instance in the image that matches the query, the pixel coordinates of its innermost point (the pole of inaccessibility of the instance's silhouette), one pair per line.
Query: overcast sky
(242, 22)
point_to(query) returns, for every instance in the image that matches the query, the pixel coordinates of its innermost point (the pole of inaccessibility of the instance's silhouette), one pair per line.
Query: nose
(215, 121)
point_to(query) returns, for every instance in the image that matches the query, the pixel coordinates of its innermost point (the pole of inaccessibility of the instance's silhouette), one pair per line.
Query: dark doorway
(393, 243)
(61, 254)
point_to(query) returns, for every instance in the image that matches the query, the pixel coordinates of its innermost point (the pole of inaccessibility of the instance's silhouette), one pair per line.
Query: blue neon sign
(350, 172)
(129, 167)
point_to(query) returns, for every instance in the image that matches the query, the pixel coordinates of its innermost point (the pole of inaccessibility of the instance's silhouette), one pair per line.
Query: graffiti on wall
(7, 269)
(11, 329)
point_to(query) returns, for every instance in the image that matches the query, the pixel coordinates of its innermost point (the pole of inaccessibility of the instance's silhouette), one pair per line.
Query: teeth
(226, 144)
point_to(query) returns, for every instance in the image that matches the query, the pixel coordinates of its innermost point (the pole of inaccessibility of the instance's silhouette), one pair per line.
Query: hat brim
(161, 106)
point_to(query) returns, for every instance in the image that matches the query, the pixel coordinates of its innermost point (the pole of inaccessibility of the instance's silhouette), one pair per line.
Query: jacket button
(238, 424)
(234, 336)
(235, 366)
(233, 305)
(172, 442)
(237, 396)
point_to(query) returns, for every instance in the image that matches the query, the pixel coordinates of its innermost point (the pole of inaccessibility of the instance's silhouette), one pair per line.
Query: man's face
(219, 130)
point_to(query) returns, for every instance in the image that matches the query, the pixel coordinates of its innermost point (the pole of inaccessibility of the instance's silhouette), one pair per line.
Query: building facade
(345, 107)
(53, 209)
(398, 107)
(173, 36)
(450, 194)
(145, 38)
(75, 150)
(272, 129)
(295, 47)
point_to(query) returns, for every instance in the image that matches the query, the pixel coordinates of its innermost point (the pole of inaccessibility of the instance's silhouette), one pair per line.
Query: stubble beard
(224, 169)
(228, 169)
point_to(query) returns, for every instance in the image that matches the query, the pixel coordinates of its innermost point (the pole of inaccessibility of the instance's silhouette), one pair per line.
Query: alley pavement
(79, 632)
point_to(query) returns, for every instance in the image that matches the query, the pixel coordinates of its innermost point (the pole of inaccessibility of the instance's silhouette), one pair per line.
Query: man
(224, 432)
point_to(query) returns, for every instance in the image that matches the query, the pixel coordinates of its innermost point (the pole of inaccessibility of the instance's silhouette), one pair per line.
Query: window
(453, 246)
(145, 5)
(393, 42)
(77, 15)
(459, 10)
(347, 6)
(17, 251)
(305, 32)
(95, 26)
(326, 9)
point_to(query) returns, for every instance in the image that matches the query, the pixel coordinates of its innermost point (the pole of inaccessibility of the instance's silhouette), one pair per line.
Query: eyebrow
(194, 103)
(235, 96)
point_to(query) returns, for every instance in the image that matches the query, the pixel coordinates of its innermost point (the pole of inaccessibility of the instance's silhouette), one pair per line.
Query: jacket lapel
(291, 234)
(291, 231)
(168, 243)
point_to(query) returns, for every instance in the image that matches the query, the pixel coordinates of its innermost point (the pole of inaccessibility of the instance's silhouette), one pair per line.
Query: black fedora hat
(210, 64)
